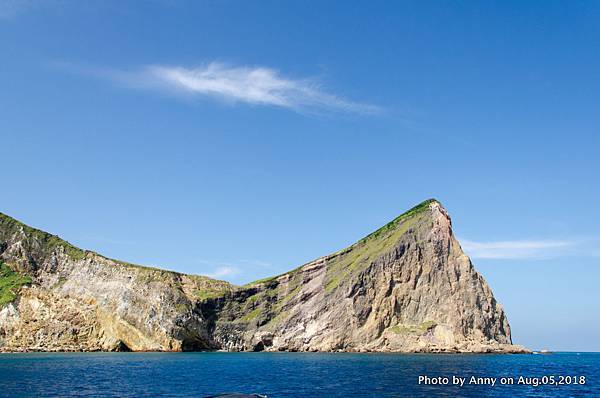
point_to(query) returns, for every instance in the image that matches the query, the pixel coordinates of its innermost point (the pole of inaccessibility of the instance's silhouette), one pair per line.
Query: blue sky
(241, 139)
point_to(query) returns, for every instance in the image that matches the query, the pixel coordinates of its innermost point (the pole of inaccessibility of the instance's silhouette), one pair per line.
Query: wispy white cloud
(518, 249)
(223, 271)
(236, 271)
(259, 86)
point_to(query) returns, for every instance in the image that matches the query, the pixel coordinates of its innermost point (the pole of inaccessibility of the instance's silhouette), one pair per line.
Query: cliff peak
(415, 210)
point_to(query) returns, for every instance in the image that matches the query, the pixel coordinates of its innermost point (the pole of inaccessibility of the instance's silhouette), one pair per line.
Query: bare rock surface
(407, 287)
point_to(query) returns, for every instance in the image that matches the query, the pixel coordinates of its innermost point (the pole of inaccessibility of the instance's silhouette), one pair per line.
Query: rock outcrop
(407, 287)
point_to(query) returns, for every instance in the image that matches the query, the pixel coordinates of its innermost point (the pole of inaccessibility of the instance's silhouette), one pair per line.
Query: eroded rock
(407, 287)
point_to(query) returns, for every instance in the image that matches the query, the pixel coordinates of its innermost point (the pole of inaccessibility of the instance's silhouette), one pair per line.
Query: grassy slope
(360, 255)
(367, 248)
(205, 287)
(10, 283)
(49, 242)
(269, 304)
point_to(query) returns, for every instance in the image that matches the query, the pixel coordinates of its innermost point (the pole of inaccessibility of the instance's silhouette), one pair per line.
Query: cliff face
(406, 287)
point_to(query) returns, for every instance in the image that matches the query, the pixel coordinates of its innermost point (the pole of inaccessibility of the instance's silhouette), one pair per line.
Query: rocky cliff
(406, 287)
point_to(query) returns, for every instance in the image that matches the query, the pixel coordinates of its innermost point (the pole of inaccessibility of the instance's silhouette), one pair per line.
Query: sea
(202, 374)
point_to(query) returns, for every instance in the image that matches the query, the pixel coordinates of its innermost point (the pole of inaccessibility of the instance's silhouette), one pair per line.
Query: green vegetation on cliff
(347, 262)
(206, 288)
(49, 242)
(387, 228)
(10, 283)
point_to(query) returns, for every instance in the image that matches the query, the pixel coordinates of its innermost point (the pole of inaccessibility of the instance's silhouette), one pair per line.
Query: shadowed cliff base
(407, 287)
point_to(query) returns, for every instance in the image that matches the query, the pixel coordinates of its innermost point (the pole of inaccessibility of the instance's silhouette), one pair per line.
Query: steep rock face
(406, 287)
(82, 301)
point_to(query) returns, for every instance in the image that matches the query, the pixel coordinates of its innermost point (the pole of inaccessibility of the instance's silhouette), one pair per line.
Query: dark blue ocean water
(286, 374)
